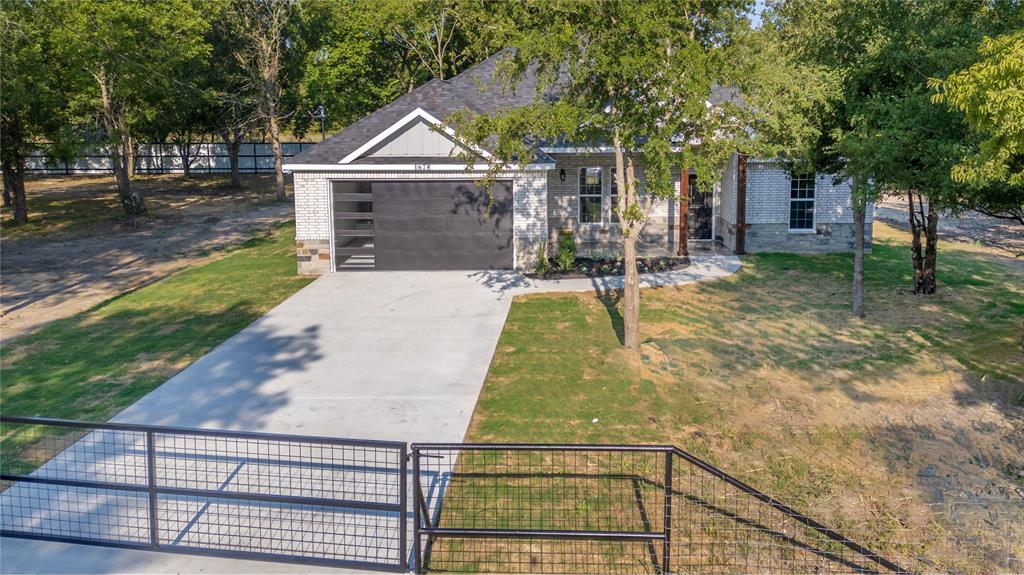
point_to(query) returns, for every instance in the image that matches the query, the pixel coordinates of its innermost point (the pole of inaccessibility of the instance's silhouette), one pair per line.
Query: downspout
(684, 213)
(741, 205)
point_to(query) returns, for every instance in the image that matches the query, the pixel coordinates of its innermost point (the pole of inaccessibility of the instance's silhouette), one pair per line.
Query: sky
(755, 13)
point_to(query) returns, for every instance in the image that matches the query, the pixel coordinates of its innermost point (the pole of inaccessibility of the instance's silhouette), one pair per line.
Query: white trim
(578, 150)
(330, 221)
(579, 196)
(410, 167)
(814, 205)
(418, 113)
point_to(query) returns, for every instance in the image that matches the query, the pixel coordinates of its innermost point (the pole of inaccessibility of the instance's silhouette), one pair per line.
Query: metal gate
(300, 499)
(513, 508)
(529, 508)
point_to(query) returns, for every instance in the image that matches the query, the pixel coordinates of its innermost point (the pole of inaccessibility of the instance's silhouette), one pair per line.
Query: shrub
(543, 266)
(566, 252)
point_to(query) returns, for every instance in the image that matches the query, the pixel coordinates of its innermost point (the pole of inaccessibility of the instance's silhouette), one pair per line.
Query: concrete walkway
(388, 355)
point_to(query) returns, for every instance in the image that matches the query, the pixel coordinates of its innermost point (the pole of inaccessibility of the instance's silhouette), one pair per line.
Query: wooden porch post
(684, 213)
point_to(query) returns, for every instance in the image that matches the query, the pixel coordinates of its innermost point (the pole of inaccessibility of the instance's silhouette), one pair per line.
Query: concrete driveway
(398, 356)
(385, 355)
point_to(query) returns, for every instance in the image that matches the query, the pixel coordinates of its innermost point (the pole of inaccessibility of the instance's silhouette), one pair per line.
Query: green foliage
(362, 54)
(543, 267)
(347, 64)
(642, 72)
(636, 70)
(990, 94)
(881, 126)
(566, 256)
(144, 50)
(34, 102)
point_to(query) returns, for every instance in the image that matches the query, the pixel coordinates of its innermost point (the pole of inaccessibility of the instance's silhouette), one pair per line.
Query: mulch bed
(602, 267)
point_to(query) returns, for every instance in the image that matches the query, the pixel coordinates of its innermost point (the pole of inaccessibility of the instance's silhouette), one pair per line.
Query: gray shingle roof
(476, 90)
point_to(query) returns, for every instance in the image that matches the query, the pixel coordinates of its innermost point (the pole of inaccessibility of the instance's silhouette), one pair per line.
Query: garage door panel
(451, 242)
(441, 225)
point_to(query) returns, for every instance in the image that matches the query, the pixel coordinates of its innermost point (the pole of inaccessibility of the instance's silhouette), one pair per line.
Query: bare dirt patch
(77, 251)
(1004, 237)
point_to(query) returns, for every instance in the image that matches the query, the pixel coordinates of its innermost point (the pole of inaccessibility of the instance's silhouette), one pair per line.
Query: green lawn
(884, 426)
(92, 365)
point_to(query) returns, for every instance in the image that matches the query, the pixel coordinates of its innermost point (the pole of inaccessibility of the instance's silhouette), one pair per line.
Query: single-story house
(390, 192)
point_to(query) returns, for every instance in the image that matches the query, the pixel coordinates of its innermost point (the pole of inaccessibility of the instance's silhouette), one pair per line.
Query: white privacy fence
(207, 158)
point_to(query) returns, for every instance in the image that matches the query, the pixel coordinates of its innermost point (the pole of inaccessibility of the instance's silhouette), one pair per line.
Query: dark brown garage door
(441, 226)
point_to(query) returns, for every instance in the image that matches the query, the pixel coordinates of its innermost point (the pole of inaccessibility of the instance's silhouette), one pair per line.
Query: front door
(700, 211)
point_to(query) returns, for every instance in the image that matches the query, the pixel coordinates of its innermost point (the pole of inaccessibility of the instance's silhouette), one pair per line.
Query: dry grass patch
(904, 428)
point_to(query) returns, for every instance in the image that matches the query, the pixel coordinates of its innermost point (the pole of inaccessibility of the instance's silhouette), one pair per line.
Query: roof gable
(418, 133)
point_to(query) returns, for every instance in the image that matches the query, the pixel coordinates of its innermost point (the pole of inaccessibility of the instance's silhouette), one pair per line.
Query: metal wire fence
(609, 509)
(252, 495)
(506, 508)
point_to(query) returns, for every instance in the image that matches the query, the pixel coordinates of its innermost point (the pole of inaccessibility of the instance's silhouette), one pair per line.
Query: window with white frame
(590, 196)
(613, 198)
(801, 202)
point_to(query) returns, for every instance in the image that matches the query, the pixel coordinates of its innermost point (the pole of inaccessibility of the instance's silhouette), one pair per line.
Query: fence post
(666, 544)
(417, 494)
(403, 503)
(154, 525)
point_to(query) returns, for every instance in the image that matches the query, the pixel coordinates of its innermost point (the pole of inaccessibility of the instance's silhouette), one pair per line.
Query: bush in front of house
(566, 252)
(599, 266)
(543, 267)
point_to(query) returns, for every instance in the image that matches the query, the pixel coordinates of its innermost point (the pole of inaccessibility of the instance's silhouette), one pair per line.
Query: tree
(882, 129)
(443, 36)
(185, 122)
(360, 55)
(129, 56)
(990, 94)
(636, 75)
(351, 64)
(32, 104)
(265, 27)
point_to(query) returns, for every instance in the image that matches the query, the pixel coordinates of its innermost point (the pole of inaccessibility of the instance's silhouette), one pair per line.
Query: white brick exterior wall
(767, 214)
(768, 196)
(529, 217)
(312, 205)
(725, 220)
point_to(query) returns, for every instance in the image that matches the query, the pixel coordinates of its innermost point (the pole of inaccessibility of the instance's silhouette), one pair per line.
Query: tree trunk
(14, 185)
(131, 152)
(185, 151)
(631, 289)
(233, 143)
(931, 236)
(131, 198)
(631, 296)
(121, 152)
(7, 190)
(275, 140)
(859, 216)
(915, 242)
